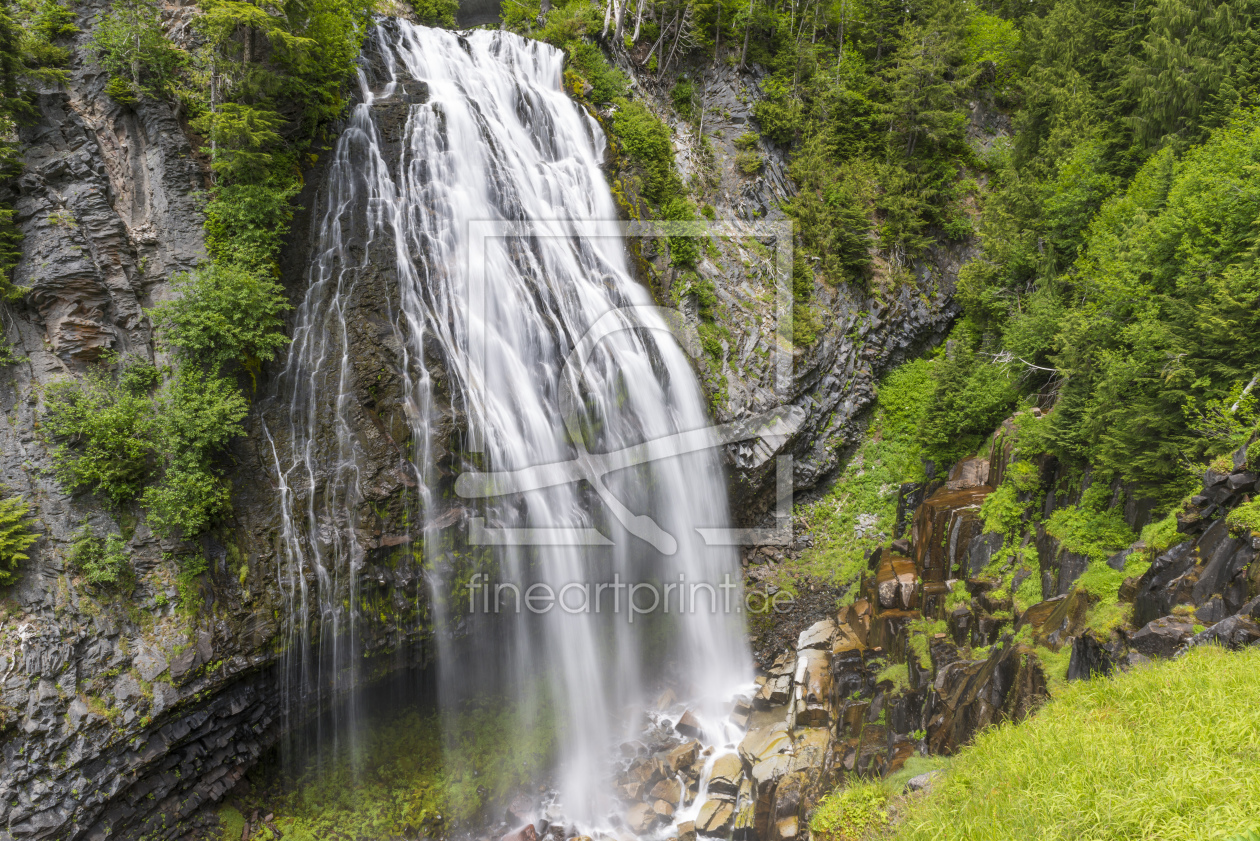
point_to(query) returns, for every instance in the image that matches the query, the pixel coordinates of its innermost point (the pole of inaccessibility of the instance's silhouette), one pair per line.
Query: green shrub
(1162, 535)
(1091, 531)
(1105, 759)
(607, 82)
(850, 814)
(747, 154)
(435, 12)
(224, 314)
(107, 426)
(102, 561)
(246, 223)
(15, 536)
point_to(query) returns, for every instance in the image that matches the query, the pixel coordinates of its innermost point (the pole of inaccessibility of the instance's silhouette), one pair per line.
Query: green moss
(1162, 535)
(1029, 591)
(403, 777)
(1245, 518)
(1106, 760)
(898, 673)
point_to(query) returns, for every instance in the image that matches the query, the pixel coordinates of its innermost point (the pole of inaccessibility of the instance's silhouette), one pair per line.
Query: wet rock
(813, 688)
(519, 810)
(664, 810)
(744, 825)
(683, 756)
(670, 790)
(820, 635)
(639, 820)
(1089, 659)
(525, 833)
(970, 695)
(727, 771)
(774, 693)
(896, 581)
(767, 736)
(771, 770)
(689, 725)
(687, 831)
(715, 817)
(1161, 637)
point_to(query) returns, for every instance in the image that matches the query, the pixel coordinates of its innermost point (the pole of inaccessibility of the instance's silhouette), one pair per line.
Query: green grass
(1169, 751)
(850, 814)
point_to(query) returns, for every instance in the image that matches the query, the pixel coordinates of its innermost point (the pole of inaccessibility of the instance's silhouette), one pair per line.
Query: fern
(15, 536)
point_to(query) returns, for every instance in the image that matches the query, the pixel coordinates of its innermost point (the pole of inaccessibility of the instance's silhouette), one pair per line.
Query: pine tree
(15, 536)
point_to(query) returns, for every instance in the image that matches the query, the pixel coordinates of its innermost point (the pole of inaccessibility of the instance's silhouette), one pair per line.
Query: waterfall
(545, 351)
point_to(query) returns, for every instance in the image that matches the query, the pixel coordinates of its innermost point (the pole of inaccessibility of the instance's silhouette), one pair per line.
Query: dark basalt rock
(1233, 632)
(1162, 637)
(1089, 659)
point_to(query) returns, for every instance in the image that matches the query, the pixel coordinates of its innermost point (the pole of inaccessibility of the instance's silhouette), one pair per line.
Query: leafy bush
(435, 12)
(224, 314)
(107, 424)
(1105, 759)
(102, 561)
(127, 441)
(1089, 528)
(246, 223)
(747, 155)
(850, 814)
(15, 536)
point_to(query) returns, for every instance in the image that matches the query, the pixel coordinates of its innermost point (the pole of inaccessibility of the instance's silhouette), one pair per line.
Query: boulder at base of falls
(689, 725)
(715, 817)
(1162, 637)
(525, 833)
(640, 819)
(767, 736)
(687, 831)
(664, 810)
(683, 757)
(724, 781)
(670, 790)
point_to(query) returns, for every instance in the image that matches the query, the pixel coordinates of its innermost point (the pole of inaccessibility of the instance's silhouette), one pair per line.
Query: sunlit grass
(1169, 752)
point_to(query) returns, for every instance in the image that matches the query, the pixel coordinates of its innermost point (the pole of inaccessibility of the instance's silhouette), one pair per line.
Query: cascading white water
(497, 140)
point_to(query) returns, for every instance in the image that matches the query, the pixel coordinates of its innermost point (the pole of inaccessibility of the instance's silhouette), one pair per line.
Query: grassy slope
(1170, 751)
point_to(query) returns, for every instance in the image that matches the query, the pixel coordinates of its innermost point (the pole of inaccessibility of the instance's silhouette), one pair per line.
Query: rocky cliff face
(864, 330)
(122, 712)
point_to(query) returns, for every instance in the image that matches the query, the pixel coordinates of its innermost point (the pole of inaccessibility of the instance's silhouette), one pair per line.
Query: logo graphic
(768, 429)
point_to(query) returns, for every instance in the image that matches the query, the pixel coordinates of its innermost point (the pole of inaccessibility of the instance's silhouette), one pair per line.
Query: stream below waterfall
(575, 603)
